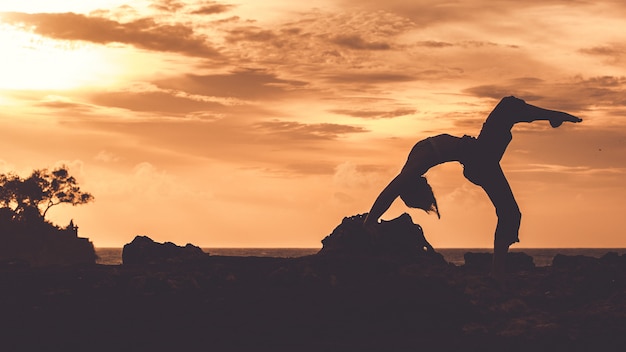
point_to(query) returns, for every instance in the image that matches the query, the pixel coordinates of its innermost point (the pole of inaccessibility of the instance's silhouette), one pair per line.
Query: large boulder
(143, 250)
(399, 237)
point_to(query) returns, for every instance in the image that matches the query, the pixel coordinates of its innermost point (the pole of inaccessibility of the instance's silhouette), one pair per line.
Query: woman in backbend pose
(481, 165)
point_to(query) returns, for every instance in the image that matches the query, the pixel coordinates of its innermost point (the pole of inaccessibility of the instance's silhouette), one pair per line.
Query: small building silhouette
(72, 229)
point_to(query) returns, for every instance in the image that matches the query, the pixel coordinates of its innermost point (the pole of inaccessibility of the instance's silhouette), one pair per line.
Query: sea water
(541, 256)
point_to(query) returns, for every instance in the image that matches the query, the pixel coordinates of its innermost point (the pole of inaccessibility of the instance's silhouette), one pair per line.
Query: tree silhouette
(39, 192)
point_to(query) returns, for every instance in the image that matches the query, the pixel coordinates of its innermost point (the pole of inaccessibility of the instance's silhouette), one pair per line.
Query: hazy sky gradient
(263, 124)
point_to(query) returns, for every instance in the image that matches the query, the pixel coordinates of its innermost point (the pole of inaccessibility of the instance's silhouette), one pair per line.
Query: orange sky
(264, 123)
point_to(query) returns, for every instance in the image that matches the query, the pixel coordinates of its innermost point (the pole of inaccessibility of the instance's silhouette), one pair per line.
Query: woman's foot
(563, 117)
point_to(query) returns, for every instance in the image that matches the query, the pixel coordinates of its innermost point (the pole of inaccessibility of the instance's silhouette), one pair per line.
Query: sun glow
(32, 62)
(81, 6)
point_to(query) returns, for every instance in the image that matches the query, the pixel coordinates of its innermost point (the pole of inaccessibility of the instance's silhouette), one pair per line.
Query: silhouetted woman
(481, 165)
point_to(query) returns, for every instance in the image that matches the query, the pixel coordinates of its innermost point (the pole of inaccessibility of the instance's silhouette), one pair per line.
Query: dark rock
(399, 237)
(575, 262)
(143, 250)
(515, 261)
(587, 263)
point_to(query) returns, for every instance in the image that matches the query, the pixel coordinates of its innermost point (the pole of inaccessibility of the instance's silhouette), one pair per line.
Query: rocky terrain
(337, 300)
(38, 243)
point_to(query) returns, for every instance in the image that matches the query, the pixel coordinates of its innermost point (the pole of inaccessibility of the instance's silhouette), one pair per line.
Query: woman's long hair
(419, 194)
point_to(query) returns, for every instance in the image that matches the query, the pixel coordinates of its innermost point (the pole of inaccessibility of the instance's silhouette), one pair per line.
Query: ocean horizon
(541, 256)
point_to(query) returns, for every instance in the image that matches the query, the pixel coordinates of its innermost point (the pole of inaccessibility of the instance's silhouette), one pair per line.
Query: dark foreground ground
(314, 304)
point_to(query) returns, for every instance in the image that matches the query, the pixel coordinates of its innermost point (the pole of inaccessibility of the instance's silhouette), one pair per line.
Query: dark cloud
(499, 91)
(355, 41)
(212, 8)
(227, 20)
(606, 50)
(168, 5)
(144, 33)
(478, 43)
(161, 102)
(251, 33)
(291, 30)
(298, 131)
(370, 78)
(613, 53)
(205, 8)
(244, 84)
(527, 81)
(434, 44)
(375, 114)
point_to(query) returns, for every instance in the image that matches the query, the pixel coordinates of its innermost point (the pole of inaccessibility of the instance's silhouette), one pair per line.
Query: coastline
(541, 256)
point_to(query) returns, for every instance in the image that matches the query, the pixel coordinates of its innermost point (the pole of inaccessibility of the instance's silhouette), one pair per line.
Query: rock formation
(398, 237)
(143, 250)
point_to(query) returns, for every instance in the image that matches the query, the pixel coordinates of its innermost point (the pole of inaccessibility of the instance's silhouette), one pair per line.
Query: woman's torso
(438, 149)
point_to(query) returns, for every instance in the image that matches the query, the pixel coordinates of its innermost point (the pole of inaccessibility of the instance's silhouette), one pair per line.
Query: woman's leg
(497, 188)
(511, 110)
(495, 134)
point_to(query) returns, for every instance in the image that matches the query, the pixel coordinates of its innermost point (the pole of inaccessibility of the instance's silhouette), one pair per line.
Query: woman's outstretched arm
(384, 200)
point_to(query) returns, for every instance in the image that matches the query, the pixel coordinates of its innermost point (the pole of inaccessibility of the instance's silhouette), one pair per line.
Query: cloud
(375, 114)
(143, 33)
(241, 83)
(614, 52)
(275, 148)
(356, 42)
(434, 44)
(161, 102)
(316, 40)
(605, 50)
(212, 8)
(167, 5)
(350, 175)
(299, 131)
(6, 167)
(370, 78)
(202, 7)
(107, 157)
(63, 103)
(427, 13)
(567, 169)
(576, 94)
(495, 91)
(250, 33)
(232, 19)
